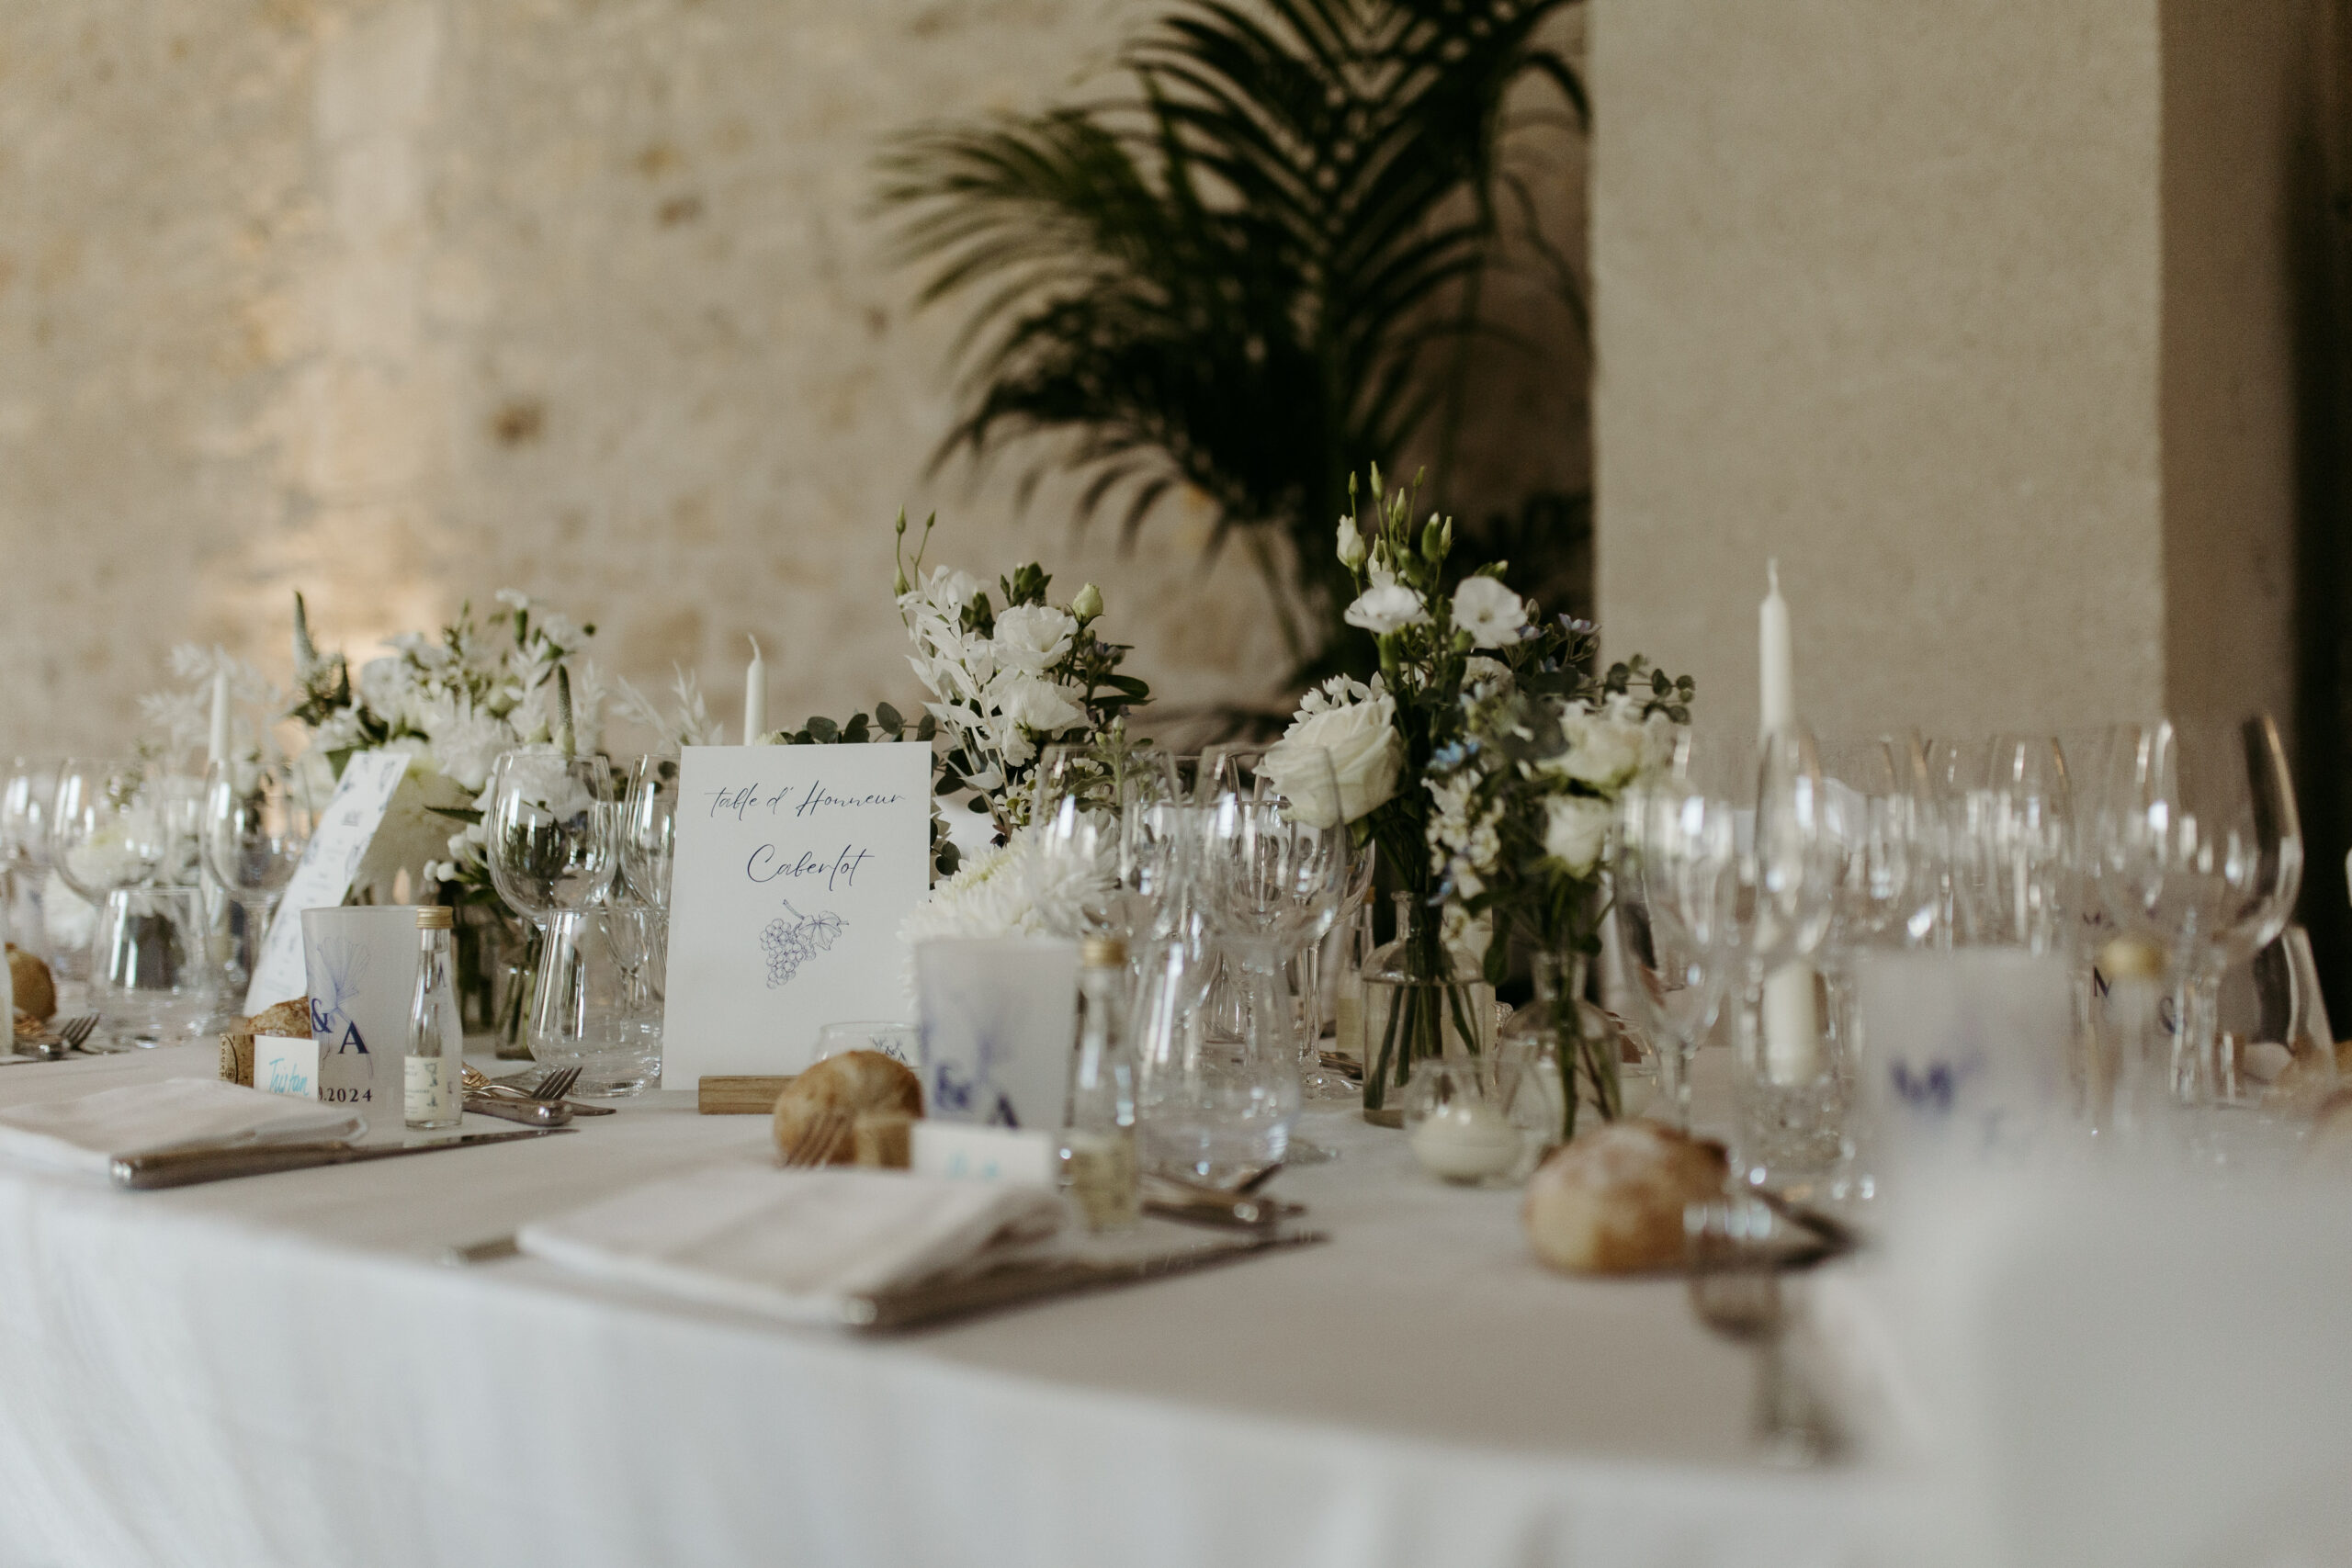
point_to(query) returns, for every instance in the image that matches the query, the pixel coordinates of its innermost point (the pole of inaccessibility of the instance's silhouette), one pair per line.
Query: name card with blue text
(796, 866)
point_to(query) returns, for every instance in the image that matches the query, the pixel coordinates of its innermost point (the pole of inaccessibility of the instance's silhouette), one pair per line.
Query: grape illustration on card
(796, 866)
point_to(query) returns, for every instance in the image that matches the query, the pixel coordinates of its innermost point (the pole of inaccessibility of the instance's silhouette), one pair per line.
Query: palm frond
(1250, 273)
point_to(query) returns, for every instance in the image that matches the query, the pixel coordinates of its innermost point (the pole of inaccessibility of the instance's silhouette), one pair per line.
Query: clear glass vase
(1561, 1038)
(1421, 1000)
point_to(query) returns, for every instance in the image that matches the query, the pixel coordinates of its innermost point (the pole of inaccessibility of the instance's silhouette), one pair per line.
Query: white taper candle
(755, 698)
(216, 748)
(1776, 661)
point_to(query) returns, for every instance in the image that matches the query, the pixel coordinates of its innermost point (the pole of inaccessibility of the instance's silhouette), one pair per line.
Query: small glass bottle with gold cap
(435, 1061)
(1099, 1143)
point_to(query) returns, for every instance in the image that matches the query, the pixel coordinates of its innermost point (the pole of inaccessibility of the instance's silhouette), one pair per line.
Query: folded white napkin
(791, 1244)
(87, 1133)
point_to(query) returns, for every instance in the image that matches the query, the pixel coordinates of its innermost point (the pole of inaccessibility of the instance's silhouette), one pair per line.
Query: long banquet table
(280, 1370)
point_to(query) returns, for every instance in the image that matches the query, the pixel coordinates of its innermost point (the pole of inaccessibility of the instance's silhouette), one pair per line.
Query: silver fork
(75, 1032)
(555, 1085)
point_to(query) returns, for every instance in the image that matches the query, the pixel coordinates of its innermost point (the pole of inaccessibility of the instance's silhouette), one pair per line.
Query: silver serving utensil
(214, 1162)
(530, 1112)
(1020, 1283)
(480, 1085)
(1173, 1198)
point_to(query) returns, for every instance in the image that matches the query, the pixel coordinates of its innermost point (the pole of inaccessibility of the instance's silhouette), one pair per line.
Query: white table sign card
(352, 815)
(796, 866)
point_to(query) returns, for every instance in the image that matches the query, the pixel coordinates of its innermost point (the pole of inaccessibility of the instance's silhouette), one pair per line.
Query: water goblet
(2197, 846)
(1676, 886)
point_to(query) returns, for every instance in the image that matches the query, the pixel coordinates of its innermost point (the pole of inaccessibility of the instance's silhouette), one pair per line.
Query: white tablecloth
(279, 1370)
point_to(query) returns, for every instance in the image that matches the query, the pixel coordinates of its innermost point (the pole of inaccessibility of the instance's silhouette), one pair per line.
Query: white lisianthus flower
(1489, 611)
(1037, 705)
(1088, 605)
(385, 685)
(1034, 638)
(1479, 670)
(1385, 607)
(1366, 755)
(1605, 750)
(1575, 827)
(1351, 545)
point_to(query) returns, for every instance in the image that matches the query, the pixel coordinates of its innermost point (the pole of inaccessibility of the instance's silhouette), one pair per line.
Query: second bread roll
(853, 1083)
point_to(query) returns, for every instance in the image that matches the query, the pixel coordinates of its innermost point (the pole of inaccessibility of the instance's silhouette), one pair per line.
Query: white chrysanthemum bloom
(1366, 755)
(994, 894)
(1605, 748)
(385, 685)
(1489, 611)
(1034, 638)
(1575, 828)
(1385, 608)
(466, 741)
(340, 732)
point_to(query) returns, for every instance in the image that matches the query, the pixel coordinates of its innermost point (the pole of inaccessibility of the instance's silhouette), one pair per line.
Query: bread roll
(1611, 1201)
(288, 1020)
(854, 1083)
(36, 988)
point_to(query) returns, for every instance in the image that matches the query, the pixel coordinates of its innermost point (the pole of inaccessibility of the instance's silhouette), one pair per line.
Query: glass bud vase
(1421, 1000)
(1561, 1038)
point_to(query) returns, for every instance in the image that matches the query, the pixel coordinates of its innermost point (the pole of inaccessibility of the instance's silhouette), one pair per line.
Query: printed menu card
(796, 866)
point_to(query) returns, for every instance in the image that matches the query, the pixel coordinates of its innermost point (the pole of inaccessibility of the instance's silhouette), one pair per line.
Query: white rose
(1575, 827)
(1034, 638)
(1366, 756)
(1604, 750)
(1385, 607)
(1491, 613)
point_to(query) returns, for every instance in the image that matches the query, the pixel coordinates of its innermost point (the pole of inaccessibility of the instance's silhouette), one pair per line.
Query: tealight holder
(1455, 1129)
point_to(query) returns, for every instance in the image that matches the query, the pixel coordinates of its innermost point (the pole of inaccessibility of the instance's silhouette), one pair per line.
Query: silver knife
(214, 1162)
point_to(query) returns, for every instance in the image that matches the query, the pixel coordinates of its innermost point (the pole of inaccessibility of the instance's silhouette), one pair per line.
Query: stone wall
(397, 301)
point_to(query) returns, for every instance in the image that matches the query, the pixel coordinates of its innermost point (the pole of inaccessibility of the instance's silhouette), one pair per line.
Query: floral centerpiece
(1481, 761)
(1005, 683)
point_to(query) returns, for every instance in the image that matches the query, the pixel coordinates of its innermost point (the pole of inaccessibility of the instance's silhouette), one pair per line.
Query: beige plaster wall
(399, 300)
(1971, 313)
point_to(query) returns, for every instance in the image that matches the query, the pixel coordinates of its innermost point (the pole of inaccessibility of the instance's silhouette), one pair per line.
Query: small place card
(987, 1154)
(796, 866)
(299, 1069)
(354, 813)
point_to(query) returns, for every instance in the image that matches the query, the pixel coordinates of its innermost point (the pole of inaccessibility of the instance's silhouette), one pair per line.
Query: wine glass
(2026, 845)
(106, 827)
(550, 831)
(647, 830)
(1107, 840)
(1676, 886)
(2197, 846)
(25, 799)
(257, 820)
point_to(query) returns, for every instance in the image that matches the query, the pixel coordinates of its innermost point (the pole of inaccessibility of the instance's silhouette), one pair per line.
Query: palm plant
(1254, 273)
